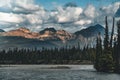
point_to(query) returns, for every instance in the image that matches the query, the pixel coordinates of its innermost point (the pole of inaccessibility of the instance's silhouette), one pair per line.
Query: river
(53, 72)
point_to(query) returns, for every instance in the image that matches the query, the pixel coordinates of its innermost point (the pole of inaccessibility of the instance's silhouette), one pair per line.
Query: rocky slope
(46, 34)
(117, 14)
(2, 30)
(23, 37)
(91, 31)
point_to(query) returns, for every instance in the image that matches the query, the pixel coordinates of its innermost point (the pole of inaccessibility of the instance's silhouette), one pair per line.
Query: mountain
(46, 34)
(2, 30)
(51, 30)
(23, 37)
(49, 37)
(64, 35)
(52, 34)
(91, 31)
(117, 14)
(22, 32)
(88, 36)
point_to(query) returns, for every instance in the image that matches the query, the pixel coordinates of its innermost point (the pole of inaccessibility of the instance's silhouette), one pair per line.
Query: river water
(52, 72)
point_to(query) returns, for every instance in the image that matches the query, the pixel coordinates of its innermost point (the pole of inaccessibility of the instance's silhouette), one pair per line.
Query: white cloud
(6, 3)
(22, 12)
(68, 14)
(10, 18)
(83, 22)
(19, 7)
(90, 11)
(110, 9)
(25, 13)
(34, 19)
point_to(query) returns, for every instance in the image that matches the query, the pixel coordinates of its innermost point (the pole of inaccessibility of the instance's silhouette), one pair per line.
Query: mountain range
(49, 37)
(117, 14)
(91, 31)
(2, 30)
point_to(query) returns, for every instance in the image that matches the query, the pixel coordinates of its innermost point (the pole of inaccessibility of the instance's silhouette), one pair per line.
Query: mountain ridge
(117, 14)
(50, 36)
(1, 30)
(91, 31)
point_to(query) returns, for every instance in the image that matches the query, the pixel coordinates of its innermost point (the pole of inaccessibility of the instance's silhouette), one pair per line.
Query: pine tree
(106, 39)
(118, 47)
(115, 55)
(105, 60)
(98, 51)
(111, 40)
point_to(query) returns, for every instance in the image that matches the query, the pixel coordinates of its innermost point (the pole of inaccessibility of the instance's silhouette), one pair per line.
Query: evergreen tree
(105, 61)
(112, 33)
(118, 47)
(115, 55)
(106, 39)
(98, 51)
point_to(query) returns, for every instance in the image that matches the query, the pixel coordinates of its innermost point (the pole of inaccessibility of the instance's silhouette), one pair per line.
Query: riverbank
(74, 67)
(36, 72)
(53, 62)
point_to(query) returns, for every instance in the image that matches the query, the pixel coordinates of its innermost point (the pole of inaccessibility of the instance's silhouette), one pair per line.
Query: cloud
(68, 14)
(110, 9)
(27, 8)
(90, 11)
(10, 18)
(17, 6)
(5, 3)
(25, 13)
(82, 22)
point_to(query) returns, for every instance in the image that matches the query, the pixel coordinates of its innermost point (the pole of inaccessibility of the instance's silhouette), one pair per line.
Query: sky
(70, 15)
(82, 3)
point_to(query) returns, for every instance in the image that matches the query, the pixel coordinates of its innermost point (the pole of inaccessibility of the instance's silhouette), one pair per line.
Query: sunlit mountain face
(54, 23)
(49, 37)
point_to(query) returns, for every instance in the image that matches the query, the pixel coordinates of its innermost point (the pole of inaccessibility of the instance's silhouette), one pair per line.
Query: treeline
(65, 55)
(108, 50)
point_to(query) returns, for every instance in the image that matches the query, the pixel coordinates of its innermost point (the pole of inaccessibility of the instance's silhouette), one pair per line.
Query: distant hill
(48, 38)
(2, 30)
(91, 31)
(47, 34)
(117, 14)
(52, 30)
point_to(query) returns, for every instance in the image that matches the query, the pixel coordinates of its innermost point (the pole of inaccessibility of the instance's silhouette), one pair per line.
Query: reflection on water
(44, 72)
